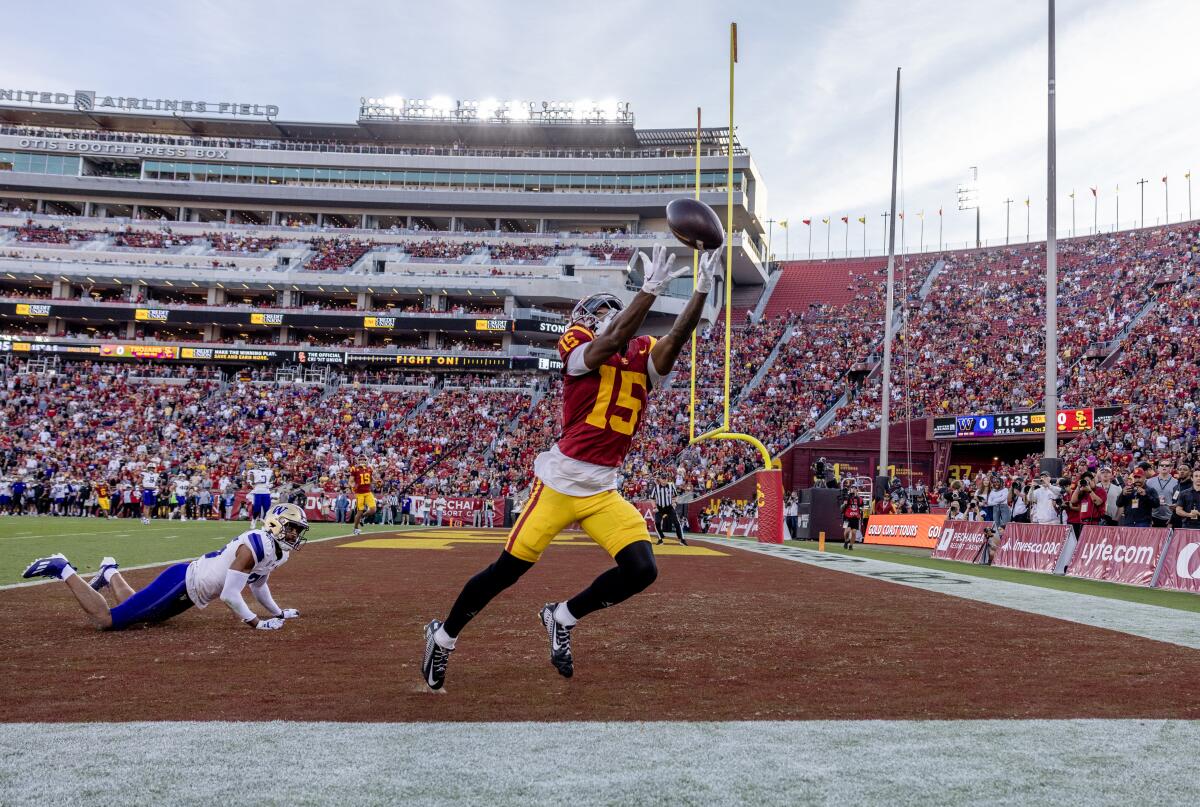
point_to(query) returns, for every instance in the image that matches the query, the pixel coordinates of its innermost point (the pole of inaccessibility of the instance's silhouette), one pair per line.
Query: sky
(815, 84)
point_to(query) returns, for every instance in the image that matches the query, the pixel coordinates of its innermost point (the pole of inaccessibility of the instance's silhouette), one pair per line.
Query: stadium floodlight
(968, 199)
(488, 108)
(518, 110)
(396, 107)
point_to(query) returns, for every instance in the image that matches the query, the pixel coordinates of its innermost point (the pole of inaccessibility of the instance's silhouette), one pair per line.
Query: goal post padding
(766, 488)
(771, 527)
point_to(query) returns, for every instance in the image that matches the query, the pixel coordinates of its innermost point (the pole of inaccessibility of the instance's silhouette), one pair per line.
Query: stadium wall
(858, 455)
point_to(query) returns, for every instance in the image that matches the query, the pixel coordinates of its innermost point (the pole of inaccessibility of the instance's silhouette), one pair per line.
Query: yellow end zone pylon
(721, 432)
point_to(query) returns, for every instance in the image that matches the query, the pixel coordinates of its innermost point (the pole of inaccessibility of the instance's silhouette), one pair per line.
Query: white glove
(657, 272)
(275, 623)
(289, 613)
(710, 262)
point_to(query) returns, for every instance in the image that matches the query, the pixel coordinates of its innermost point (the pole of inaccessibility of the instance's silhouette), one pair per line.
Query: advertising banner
(1119, 554)
(1035, 547)
(915, 529)
(321, 506)
(140, 351)
(962, 541)
(734, 525)
(1181, 566)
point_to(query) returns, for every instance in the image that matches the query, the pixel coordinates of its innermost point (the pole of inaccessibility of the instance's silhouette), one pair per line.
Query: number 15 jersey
(602, 410)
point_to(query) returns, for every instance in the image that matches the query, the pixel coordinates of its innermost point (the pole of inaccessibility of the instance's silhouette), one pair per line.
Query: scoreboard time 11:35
(1007, 424)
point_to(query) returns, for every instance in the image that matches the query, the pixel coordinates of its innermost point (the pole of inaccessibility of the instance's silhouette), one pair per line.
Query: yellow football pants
(606, 517)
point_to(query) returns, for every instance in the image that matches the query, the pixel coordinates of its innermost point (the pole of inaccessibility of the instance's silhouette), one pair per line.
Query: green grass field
(85, 540)
(1180, 600)
(132, 543)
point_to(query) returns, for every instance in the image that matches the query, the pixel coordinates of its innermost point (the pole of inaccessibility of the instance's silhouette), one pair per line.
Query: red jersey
(102, 490)
(361, 475)
(603, 409)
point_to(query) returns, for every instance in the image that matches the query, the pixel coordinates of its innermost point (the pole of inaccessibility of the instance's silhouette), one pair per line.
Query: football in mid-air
(695, 224)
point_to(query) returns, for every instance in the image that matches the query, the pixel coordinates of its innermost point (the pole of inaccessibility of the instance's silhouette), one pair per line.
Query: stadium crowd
(1129, 308)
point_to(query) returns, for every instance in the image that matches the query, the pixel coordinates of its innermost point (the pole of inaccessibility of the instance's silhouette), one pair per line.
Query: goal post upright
(769, 480)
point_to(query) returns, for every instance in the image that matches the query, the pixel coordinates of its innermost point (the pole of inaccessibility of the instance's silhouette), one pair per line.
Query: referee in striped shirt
(664, 514)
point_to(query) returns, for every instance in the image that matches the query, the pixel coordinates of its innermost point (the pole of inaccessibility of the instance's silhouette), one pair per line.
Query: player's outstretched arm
(666, 350)
(658, 275)
(231, 594)
(263, 594)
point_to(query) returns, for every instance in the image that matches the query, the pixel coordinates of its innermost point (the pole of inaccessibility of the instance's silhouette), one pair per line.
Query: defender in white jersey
(149, 491)
(248, 559)
(260, 491)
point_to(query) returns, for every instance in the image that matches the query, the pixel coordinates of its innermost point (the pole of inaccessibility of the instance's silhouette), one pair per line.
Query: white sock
(445, 639)
(67, 572)
(108, 573)
(563, 616)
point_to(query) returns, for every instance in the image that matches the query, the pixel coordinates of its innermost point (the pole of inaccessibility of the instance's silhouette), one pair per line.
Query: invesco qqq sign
(90, 100)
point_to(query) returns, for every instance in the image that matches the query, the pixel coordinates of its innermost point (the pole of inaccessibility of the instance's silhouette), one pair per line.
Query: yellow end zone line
(426, 539)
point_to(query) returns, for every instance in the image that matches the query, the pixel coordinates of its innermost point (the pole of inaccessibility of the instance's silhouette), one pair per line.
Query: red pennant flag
(1093, 191)
(807, 221)
(901, 214)
(1164, 179)
(845, 219)
(939, 211)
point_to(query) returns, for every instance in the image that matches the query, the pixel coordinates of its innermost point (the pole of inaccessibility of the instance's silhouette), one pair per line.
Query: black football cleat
(683, 542)
(433, 664)
(560, 641)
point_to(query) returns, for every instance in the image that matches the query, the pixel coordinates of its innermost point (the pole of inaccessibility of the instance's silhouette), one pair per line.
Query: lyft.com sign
(1119, 554)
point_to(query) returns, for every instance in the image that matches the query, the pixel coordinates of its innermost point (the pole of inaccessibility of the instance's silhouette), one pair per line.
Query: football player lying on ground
(249, 558)
(607, 376)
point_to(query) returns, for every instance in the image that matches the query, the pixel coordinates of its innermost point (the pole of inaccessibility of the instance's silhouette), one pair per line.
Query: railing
(409, 150)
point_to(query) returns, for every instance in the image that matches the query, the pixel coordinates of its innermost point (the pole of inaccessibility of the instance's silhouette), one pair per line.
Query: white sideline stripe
(44, 580)
(994, 762)
(1138, 619)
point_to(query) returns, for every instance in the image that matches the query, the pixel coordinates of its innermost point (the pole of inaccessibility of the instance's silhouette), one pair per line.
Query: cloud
(815, 81)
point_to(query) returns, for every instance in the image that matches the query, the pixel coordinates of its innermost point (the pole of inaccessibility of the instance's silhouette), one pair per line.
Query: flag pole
(882, 479)
(1050, 462)
(695, 277)
(729, 230)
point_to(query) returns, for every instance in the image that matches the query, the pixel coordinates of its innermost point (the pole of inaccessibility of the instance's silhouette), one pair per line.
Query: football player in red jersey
(607, 375)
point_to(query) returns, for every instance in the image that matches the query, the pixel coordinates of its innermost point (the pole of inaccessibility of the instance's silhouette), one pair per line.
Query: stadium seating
(828, 282)
(1128, 309)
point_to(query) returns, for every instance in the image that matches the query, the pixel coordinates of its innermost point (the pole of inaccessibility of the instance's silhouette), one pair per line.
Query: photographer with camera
(1086, 503)
(1042, 500)
(1017, 504)
(1138, 501)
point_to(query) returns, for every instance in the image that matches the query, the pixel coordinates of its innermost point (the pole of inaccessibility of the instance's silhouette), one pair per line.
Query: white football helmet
(287, 523)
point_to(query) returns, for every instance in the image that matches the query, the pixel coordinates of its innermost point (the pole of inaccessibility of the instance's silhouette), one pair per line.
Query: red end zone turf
(733, 636)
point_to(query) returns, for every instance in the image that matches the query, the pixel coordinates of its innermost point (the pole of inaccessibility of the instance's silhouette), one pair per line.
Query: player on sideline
(149, 490)
(249, 558)
(364, 500)
(260, 490)
(607, 377)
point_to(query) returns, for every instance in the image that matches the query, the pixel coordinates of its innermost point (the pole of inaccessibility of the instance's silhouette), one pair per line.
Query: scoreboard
(1016, 424)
